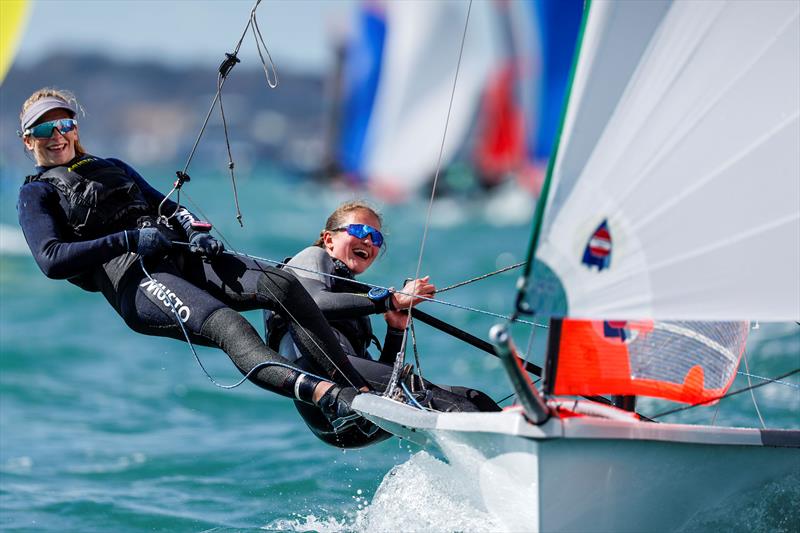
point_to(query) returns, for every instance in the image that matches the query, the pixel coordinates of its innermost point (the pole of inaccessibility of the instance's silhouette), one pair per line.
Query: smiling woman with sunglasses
(95, 222)
(347, 247)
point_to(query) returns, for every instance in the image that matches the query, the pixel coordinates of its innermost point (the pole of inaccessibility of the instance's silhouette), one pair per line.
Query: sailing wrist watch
(379, 294)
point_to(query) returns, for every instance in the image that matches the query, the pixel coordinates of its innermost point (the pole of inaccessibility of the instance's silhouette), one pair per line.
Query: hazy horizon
(180, 32)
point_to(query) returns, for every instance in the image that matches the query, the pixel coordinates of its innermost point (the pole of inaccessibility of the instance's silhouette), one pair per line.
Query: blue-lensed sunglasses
(360, 231)
(45, 129)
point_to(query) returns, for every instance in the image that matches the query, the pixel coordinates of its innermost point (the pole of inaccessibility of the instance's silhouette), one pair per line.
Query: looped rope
(273, 83)
(231, 59)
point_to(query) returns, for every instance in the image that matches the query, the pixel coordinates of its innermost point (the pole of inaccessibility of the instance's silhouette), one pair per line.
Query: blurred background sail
(399, 67)
(13, 17)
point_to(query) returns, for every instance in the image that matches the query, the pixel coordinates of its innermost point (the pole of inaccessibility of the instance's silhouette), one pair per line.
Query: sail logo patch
(616, 329)
(598, 250)
(621, 331)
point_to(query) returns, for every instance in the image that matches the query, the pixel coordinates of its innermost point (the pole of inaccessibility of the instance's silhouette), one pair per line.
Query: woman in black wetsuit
(349, 244)
(89, 220)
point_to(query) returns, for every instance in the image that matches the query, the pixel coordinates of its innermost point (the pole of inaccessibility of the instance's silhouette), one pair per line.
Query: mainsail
(675, 190)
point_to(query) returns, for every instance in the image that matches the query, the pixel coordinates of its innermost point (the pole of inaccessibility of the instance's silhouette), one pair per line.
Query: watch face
(376, 293)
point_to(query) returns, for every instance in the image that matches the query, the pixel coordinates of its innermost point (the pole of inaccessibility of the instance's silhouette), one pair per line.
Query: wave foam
(421, 495)
(12, 241)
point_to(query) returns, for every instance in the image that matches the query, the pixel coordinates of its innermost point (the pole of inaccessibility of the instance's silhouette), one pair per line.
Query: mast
(535, 407)
(523, 283)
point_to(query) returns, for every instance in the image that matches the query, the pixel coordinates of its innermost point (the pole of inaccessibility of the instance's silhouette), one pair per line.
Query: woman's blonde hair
(67, 96)
(337, 218)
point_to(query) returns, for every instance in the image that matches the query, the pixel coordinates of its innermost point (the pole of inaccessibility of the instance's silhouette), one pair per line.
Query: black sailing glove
(204, 244)
(152, 242)
(200, 241)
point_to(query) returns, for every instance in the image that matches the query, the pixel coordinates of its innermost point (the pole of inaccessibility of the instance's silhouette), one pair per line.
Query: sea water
(103, 429)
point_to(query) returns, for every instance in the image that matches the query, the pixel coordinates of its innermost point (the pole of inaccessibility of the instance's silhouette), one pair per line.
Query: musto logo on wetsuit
(166, 297)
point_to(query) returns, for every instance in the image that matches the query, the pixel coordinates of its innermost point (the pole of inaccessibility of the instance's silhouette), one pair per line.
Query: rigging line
(716, 412)
(478, 278)
(220, 81)
(521, 305)
(411, 398)
(255, 258)
(738, 391)
(501, 400)
(752, 394)
(498, 402)
(438, 291)
(530, 344)
(786, 383)
(247, 375)
(441, 151)
(224, 74)
(416, 352)
(395, 377)
(399, 360)
(224, 70)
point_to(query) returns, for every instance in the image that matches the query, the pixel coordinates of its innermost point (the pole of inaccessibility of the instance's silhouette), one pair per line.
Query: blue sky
(297, 32)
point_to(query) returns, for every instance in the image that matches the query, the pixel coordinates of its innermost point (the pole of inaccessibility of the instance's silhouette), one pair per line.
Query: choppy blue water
(102, 429)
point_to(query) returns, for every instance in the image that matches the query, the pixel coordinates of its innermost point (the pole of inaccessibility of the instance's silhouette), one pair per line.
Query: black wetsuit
(345, 303)
(207, 295)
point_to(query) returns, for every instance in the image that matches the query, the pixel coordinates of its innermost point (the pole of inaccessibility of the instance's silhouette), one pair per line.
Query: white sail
(676, 188)
(420, 59)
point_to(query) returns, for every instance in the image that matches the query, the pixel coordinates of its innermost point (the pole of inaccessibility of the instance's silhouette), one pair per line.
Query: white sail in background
(676, 188)
(420, 59)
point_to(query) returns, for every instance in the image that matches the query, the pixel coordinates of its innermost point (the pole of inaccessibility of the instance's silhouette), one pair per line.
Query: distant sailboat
(397, 78)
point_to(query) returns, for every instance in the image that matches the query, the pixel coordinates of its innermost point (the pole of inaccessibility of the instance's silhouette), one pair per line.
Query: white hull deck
(591, 474)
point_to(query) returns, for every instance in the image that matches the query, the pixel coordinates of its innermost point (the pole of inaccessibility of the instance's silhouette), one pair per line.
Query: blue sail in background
(399, 65)
(361, 75)
(558, 23)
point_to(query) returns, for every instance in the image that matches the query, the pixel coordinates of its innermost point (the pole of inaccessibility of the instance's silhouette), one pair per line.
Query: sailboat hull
(589, 474)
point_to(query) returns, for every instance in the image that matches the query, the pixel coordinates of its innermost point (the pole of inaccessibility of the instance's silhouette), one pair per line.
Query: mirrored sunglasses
(45, 129)
(360, 231)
